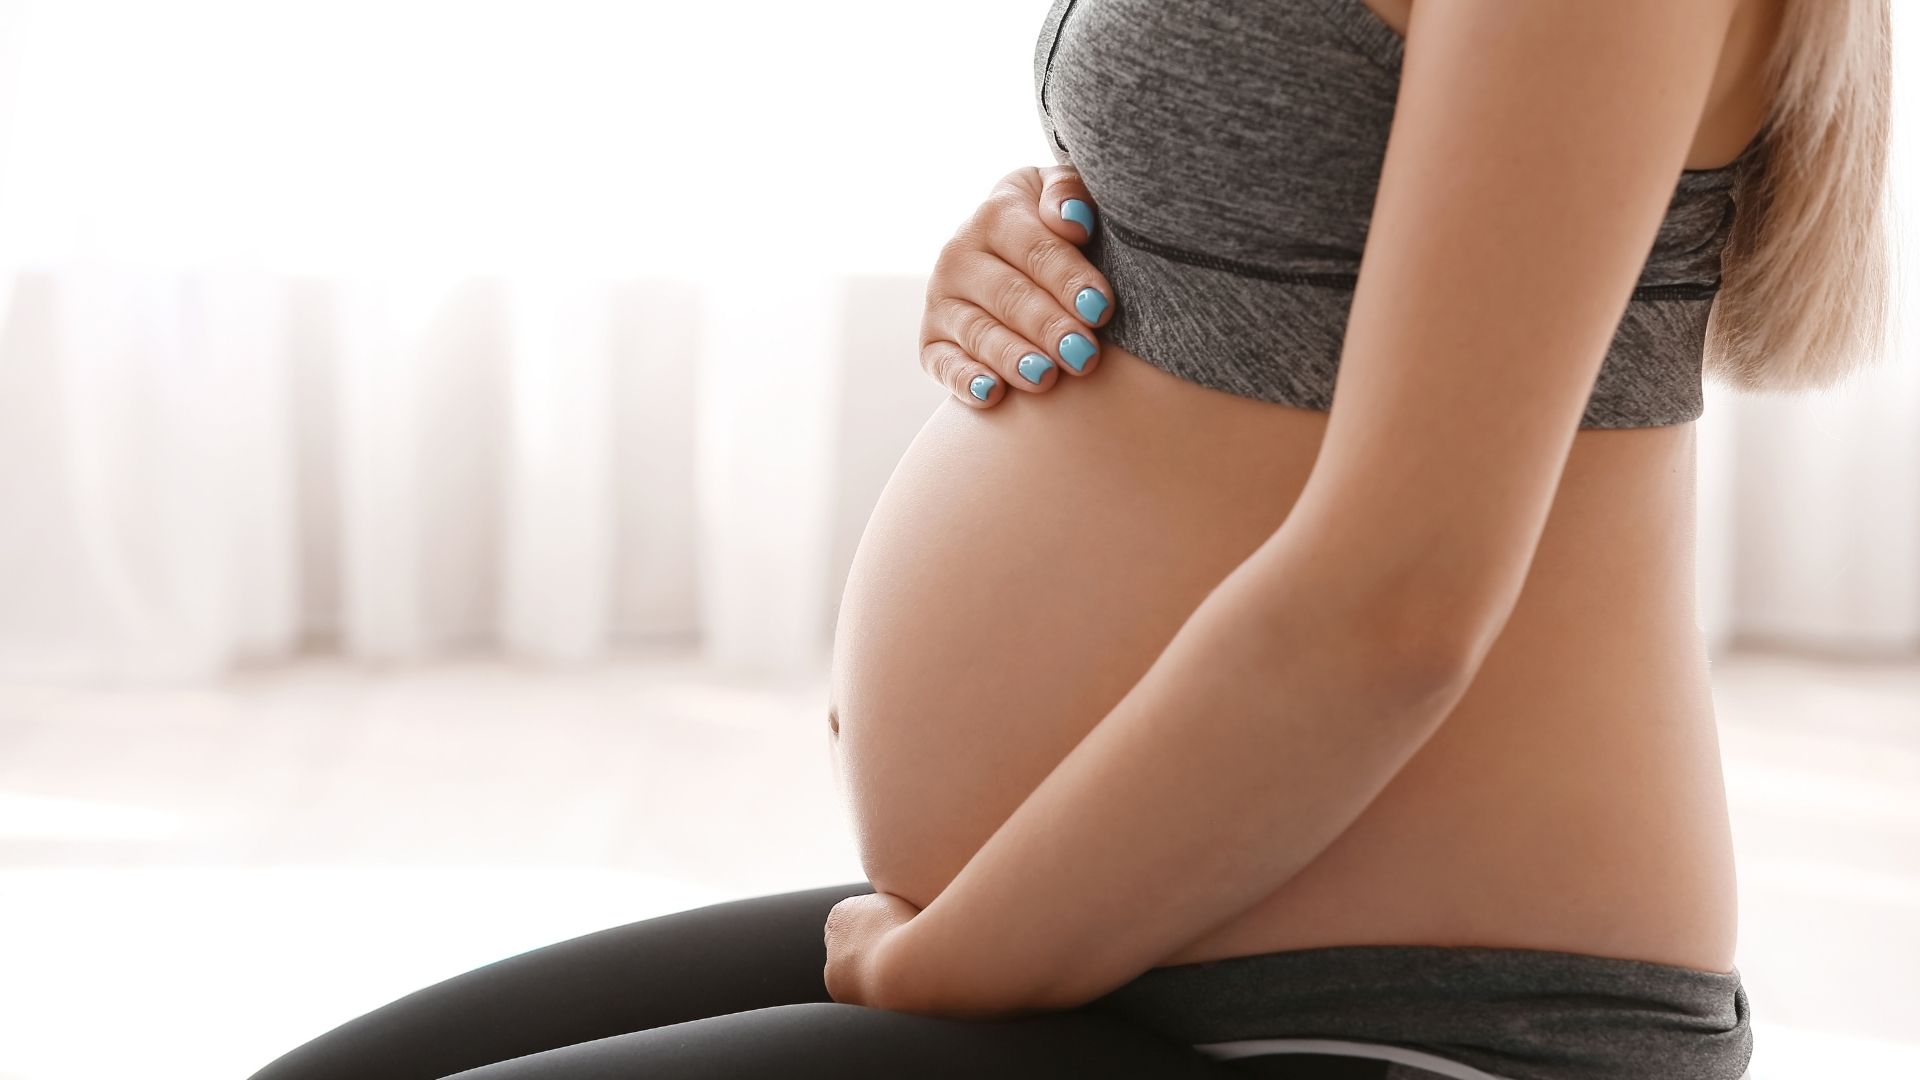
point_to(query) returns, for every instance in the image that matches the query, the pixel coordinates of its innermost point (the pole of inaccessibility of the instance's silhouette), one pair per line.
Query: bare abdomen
(1026, 564)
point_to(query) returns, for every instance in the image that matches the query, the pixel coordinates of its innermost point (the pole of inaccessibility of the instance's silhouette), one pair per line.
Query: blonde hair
(1803, 296)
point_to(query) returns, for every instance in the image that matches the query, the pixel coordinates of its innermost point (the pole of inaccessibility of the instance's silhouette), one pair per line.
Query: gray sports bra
(1233, 150)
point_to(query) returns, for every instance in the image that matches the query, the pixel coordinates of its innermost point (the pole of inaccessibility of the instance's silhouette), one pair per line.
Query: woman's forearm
(1270, 721)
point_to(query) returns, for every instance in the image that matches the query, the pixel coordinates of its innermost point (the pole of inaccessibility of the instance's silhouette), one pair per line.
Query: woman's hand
(1011, 298)
(871, 962)
(856, 930)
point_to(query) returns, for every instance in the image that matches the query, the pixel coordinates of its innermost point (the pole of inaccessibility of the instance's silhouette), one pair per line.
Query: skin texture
(1147, 673)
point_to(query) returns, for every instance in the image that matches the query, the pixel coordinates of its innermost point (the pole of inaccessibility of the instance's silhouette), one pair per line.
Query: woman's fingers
(1065, 205)
(1061, 197)
(962, 375)
(1057, 292)
(1031, 313)
(1012, 299)
(1020, 236)
(1015, 359)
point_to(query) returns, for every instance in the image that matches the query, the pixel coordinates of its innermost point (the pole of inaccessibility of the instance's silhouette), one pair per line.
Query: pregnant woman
(1279, 655)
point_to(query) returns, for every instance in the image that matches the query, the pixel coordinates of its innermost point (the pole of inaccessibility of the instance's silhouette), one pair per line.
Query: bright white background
(399, 326)
(394, 327)
(553, 338)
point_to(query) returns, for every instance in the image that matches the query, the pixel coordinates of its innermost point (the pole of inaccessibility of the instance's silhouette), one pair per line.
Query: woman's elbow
(1430, 648)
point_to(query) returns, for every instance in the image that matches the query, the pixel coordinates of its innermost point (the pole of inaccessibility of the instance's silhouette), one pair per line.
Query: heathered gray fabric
(1233, 151)
(1521, 1014)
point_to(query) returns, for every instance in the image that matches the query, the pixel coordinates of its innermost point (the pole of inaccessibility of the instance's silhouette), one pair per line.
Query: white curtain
(556, 328)
(393, 328)
(201, 468)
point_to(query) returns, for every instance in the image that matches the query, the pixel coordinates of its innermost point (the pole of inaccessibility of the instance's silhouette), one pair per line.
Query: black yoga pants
(728, 990)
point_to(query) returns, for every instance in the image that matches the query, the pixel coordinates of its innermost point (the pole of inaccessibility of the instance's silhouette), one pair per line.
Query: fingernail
(1076, 350)
(1033, 366)
(1075, 210)
(981, 387)
(1090, 303)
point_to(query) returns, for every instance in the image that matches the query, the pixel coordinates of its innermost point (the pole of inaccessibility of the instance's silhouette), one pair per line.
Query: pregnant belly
(1026, 564)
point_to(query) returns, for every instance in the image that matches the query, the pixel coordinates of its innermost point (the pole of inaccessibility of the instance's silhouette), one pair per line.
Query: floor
(194, 879)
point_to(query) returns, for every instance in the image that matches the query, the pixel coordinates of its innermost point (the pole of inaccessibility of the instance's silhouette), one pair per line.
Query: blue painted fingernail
(1090, 303)
(981, 386)
(1076, 350)
(1033, 366)
(1077, 211)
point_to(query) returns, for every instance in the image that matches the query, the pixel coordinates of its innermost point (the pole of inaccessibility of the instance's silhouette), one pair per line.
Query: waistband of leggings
(1512, 1014)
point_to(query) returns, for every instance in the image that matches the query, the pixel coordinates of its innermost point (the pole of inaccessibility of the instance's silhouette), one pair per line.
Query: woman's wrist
(912, 974)
(898, 974)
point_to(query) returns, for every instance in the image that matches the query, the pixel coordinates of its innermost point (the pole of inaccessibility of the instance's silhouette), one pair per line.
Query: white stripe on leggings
(1399, 1055)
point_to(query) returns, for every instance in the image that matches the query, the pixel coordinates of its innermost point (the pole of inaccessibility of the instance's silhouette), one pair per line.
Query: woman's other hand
(856, 930)
(1012, 299)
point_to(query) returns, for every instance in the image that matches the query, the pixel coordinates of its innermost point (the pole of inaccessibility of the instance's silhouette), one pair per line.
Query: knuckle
(971, 327)
(944, 364)
(966, 263)
(973, 233)
(949, 264)
(944, 312)
(958, 376)
(1007, 200)
(943, 261)
(1009, 295)
(1020, 180)
(1052, 260)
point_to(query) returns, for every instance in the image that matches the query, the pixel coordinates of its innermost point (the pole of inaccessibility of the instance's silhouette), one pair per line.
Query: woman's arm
(1535, 148)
